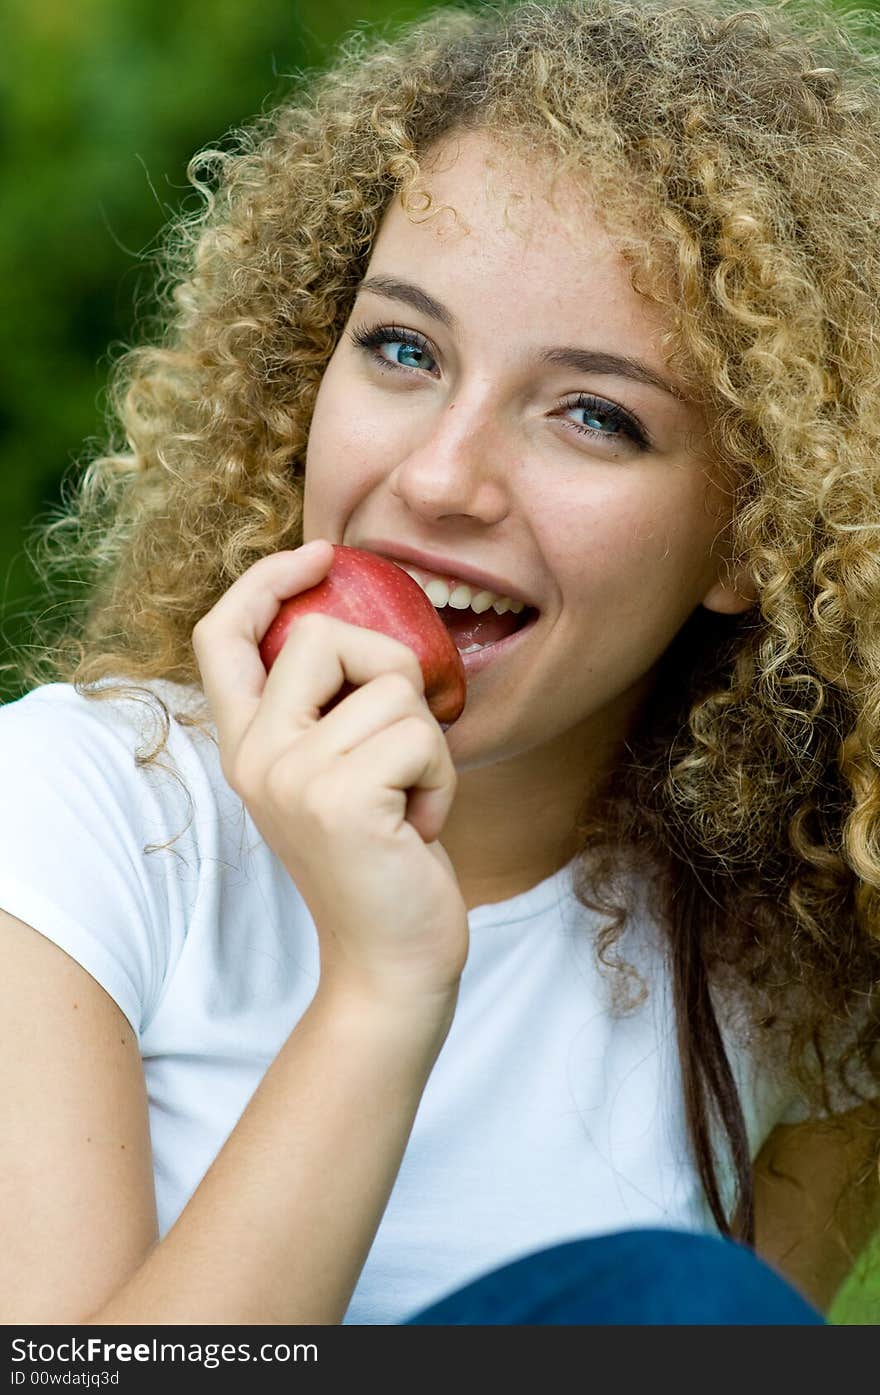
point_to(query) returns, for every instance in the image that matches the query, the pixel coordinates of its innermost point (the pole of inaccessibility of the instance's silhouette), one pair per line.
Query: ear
(731, 596)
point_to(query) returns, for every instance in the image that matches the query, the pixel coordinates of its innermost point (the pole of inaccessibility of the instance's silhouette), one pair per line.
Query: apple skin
(372, 592)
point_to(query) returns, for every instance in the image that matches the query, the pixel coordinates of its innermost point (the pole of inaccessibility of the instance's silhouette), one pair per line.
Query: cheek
(328, 432)
(343, 455)
(641, 560)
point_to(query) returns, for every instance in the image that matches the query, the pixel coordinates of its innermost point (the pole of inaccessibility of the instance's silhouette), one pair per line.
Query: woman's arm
(77, 1204)
(281, 1225)
(817, 1200)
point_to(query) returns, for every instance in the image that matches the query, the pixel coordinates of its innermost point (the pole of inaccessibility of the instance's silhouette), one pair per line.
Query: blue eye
(621, 421)
(406, 339)
(408, 349)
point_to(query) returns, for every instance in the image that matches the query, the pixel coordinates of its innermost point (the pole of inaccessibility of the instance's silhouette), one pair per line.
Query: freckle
(75, 1006)
(122, 1146)
(122, 1041)
(88, 1140)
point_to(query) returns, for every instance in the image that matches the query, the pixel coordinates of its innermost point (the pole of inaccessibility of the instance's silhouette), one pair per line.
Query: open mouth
(472, 632)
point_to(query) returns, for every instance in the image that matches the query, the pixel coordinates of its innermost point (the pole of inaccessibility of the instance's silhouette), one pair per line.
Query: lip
(451, 567)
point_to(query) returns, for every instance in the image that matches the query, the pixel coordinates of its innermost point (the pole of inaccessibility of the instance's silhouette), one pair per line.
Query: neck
(514, 823)
(514, 819)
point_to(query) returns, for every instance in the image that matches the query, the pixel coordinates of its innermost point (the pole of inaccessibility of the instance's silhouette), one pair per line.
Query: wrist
(397, 1014)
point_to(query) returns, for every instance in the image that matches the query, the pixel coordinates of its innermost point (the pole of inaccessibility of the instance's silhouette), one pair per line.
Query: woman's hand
(352, 802)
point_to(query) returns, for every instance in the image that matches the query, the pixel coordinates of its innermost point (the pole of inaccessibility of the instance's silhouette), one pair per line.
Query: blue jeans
(639, 1277)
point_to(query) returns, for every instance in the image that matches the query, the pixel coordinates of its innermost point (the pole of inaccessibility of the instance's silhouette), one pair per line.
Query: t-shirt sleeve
(76, 817)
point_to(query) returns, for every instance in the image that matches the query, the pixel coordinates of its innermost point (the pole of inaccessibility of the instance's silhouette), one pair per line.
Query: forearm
(281, 1225)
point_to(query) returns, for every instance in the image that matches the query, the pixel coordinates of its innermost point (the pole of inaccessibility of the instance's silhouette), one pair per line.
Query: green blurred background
(102, 104)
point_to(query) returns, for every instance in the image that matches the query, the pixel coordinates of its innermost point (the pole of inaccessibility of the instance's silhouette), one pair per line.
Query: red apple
(372, 592)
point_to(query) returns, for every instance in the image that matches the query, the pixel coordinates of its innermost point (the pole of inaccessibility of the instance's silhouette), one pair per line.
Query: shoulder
(102, 849)
(136, 710)
(120, 734)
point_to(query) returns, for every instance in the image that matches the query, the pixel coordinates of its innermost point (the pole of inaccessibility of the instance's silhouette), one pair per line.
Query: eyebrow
(579, 360)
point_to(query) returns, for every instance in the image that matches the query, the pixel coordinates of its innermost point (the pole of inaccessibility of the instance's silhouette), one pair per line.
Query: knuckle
(397, 687)
(319, 797)
(244, 768)
(282, 783)
(418, 735)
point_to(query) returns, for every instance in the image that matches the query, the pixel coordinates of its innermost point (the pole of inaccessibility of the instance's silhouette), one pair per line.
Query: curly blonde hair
(735, 157)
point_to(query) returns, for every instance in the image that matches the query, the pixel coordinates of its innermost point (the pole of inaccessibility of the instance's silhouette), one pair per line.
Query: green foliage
(102, 104)
(857, 1302)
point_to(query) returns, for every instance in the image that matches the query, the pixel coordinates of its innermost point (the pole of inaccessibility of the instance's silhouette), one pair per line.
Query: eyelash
(628, 426)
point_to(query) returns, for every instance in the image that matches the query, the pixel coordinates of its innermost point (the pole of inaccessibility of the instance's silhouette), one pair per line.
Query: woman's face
(464, 438)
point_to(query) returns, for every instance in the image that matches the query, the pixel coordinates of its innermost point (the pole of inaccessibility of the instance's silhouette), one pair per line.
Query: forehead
(501, 218)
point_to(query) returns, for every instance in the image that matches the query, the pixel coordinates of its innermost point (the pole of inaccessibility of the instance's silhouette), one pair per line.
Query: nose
(458, 470)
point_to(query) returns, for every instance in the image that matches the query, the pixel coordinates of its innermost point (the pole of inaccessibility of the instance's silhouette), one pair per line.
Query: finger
(226, 640)
(428, 809)
(319, 654)
(408, 762)
(365, 712)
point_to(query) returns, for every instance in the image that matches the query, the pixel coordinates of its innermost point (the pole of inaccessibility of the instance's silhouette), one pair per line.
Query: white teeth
(472, 649)
(461, 596)
(437, 593)
(482, 601)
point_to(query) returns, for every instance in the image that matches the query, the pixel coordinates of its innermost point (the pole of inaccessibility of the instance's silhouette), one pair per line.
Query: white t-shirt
(546, 1116)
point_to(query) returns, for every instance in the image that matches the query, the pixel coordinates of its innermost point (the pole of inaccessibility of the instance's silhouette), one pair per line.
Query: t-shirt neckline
(526, 904)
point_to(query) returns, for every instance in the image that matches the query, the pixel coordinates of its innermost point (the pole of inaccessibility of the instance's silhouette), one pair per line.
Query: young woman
(327, 1016)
